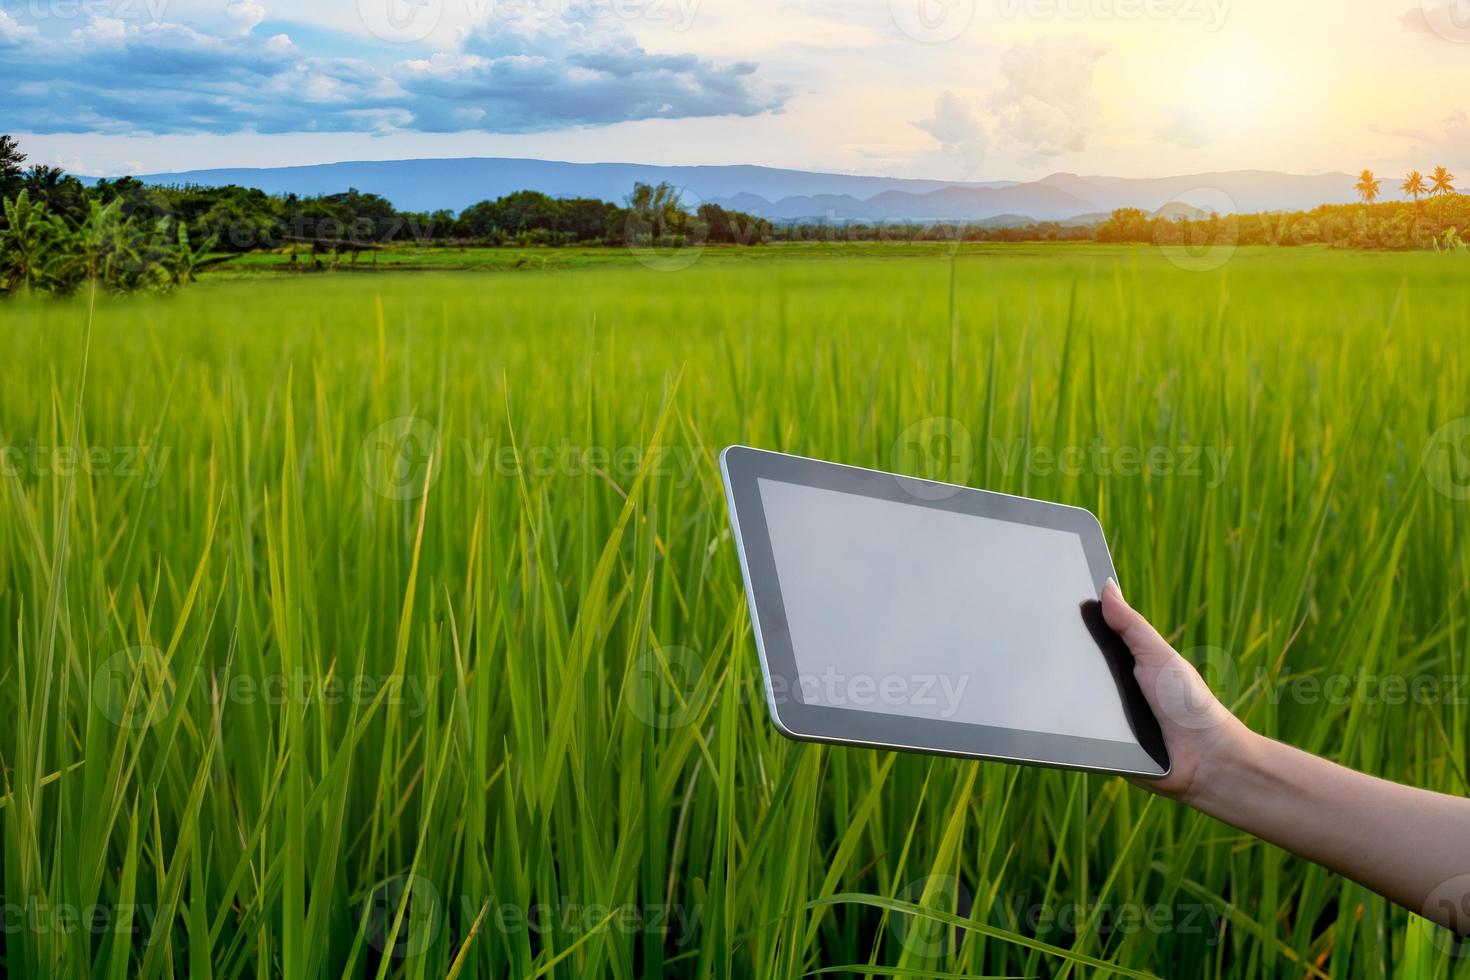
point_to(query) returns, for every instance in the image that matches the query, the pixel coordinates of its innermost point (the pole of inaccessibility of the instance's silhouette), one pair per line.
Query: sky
(946, 89)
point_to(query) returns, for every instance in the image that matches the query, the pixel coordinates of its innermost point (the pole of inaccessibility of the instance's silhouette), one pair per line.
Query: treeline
(1440, 222)
(43, 252)
(57, 233)
(241, 219)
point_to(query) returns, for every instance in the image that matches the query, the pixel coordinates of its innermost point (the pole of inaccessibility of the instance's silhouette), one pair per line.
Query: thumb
(1147, 646)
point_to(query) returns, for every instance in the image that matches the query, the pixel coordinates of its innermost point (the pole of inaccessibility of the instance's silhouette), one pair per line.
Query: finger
(1142, 639)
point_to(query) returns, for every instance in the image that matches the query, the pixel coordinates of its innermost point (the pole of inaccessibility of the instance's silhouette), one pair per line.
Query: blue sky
(957, 89)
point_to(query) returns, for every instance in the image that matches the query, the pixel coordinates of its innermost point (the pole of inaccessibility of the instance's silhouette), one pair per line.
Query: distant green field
(475, 259)
(389, 625)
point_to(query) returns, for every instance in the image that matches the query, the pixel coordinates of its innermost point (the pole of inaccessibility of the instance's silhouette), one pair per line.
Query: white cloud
(14, 32)
(523, 72)
(515, 73)
(102, 30)
(954, 126)
(1046, 107)
(246, 14)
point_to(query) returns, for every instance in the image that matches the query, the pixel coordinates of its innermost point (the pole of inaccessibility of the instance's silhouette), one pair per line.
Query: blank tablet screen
(911, 610)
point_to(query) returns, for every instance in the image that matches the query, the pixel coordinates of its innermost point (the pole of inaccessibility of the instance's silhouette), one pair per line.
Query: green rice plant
(390, 626)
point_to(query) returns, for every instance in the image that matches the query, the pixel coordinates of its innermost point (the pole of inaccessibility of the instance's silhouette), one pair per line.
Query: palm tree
(107, 249)
(1414, 186)
(1367, 186)
(44, 180)
(25, 242)
(178, 255)
(1442, 182)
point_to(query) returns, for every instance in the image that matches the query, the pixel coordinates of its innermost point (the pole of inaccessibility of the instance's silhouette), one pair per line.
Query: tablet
(900, 613)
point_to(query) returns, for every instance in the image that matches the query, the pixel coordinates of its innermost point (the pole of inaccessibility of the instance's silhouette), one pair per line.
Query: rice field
(389, 625)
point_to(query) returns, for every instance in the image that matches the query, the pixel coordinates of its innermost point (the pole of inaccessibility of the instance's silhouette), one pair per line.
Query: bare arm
(1409, 845)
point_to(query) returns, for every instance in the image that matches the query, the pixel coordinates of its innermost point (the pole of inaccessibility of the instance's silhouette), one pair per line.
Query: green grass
(404, 257)
(272, 711)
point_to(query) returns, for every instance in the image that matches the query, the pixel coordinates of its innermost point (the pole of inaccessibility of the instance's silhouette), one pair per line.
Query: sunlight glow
(1234, 89)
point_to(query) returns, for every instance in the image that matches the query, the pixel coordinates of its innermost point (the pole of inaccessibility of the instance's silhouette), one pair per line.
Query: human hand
(1202, 735)
(1407, 844)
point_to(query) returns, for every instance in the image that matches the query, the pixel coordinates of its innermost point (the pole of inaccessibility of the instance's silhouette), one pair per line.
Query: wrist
(1227, 769)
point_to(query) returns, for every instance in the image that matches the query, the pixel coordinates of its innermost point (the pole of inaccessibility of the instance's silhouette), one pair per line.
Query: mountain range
(788, 195)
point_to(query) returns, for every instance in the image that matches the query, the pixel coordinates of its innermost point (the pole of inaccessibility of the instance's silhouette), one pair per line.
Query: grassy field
(389, 625)
(511, 258)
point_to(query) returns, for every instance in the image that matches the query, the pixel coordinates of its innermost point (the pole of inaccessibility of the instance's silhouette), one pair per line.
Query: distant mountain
(456, 183)
(950, 203)
(791, 195)
(1066, 197)
(1248, 190)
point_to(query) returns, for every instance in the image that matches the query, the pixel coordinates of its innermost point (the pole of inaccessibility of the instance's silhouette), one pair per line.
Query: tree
(64, 196)
(356, 217)
(1442, 184)
(110, 252)
(25, 243)
(1414, 186)
(655, 209)
(1126, 225)
(181, 259)
(733, 227)
(1367, 186)
(587, 218)
(12, 163)
(481, 221)
(526, 211)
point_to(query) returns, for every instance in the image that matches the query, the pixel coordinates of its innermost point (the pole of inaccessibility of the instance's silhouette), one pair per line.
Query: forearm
(1407, 844)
